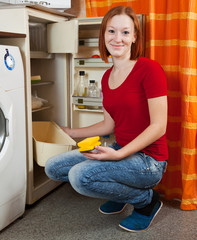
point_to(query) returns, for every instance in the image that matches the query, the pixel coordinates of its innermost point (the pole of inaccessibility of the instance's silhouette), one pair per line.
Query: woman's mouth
(116, 46)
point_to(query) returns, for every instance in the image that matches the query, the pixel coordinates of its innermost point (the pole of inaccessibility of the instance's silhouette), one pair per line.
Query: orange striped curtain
(171, 39)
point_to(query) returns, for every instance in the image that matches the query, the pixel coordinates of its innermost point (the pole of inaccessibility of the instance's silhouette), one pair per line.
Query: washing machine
(12, 136)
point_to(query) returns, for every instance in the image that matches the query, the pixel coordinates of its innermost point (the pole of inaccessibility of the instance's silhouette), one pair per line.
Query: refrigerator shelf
(41, 55)
(42, 83)
(88, 110)
(87, 101)
(42, 108)
(92, 62)
(91, 104)
(89, 42)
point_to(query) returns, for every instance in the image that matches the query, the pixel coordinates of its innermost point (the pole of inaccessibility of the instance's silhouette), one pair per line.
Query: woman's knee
(80, 177)
(50, 167)
(75, 177)
(57, 167)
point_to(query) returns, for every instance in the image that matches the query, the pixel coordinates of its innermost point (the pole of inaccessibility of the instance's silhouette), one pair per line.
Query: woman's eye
(125, 32)
(111, 31)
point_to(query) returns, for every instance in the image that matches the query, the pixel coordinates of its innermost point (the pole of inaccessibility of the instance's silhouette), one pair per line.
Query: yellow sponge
(35, 79)
(88, 144)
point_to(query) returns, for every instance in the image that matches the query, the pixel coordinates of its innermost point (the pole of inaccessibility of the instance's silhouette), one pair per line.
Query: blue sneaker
(111, 207)
(137, 222)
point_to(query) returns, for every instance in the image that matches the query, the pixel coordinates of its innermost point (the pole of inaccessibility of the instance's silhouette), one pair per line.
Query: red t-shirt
(128, 105)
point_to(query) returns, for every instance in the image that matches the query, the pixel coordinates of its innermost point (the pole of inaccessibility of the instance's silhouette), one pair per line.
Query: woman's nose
(117, 37)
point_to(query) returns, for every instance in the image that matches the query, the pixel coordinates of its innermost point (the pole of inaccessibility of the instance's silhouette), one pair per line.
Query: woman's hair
(136, 48)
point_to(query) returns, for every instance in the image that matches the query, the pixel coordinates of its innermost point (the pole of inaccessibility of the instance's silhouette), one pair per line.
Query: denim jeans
(129, 180)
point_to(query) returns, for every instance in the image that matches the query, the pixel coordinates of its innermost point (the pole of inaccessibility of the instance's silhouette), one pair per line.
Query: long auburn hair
(136, 48)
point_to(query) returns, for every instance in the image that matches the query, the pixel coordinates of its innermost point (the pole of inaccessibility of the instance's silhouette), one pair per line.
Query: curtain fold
(171, 39)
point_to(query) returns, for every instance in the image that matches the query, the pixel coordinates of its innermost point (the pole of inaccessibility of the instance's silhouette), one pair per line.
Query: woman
(135, 110)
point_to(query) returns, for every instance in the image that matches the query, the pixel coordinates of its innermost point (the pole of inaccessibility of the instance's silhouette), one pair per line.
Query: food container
(49, 140)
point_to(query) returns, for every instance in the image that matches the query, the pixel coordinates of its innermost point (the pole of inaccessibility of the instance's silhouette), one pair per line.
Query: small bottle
(81, 89)
(106, 140)
(93, 91)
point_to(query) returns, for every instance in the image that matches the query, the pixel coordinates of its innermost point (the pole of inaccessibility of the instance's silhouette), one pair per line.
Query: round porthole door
(2, 129)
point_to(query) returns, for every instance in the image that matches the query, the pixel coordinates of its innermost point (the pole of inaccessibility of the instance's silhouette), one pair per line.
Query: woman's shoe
(111, 207)
(137, 222)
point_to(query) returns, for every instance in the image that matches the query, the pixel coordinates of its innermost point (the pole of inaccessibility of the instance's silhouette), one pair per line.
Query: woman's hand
(103, 153)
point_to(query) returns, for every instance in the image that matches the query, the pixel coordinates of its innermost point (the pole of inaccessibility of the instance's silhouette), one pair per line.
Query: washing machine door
(2, 129)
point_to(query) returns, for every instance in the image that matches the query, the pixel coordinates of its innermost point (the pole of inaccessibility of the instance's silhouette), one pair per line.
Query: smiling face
(119, 36)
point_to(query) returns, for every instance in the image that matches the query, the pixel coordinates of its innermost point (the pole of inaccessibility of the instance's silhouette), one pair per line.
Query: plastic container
(38, 36)
(49, 140)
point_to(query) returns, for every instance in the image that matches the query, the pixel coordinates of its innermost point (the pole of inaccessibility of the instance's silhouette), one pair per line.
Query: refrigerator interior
(53, 89)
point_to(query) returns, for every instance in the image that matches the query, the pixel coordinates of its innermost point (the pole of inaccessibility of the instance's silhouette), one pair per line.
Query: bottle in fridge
(81, 88)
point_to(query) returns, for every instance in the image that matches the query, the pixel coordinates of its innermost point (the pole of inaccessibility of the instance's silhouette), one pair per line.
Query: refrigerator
(55, 46)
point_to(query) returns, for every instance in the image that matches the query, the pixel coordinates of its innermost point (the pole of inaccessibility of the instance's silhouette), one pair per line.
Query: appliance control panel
(59, 4)
(9, 60)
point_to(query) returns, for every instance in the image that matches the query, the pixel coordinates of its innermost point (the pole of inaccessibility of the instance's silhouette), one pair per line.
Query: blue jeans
(129, 180)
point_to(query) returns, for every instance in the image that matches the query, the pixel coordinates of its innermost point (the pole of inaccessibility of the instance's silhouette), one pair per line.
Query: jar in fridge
(92, 92)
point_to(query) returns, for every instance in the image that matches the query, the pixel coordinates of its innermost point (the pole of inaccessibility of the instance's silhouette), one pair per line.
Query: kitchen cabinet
(55, 46)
